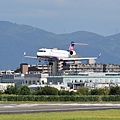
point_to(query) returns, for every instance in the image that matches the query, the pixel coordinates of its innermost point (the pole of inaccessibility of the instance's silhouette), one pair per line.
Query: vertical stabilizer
(71, 46)
(75, 43)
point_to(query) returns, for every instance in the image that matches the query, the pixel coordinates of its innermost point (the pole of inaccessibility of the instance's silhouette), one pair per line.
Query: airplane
(53, 54)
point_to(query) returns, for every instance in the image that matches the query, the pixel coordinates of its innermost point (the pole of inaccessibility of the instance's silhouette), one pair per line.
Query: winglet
(24, 53)
(99, 55)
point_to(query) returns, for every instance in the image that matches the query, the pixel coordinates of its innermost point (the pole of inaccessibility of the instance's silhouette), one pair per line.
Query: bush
(48, 98)
(111, 98)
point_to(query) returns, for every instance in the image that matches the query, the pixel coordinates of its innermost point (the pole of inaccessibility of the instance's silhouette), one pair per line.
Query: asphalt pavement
(33, 108)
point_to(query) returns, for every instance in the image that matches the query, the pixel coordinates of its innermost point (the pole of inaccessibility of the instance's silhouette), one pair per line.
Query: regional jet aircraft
(65, 55)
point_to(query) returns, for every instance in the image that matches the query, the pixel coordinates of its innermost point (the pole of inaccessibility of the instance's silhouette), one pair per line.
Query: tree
(106, 91)
(63, 92)
(38, 91)
(1, 92)
(47, 90)
(72, 93)
(25, 90)
(12, 90)
(83, 91)
(95, 92)
(115, 90)
(100, 91)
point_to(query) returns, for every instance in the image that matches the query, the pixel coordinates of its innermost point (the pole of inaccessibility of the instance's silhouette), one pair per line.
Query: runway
(33, 108)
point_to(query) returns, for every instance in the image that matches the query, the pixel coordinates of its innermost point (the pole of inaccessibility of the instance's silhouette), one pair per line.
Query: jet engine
(72, 52)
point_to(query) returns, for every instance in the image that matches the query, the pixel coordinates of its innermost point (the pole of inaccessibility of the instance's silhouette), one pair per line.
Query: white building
(90, 80)
(36, 79)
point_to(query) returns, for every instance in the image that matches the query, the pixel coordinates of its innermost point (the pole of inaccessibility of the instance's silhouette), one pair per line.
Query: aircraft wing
(33, 57)
(77, 59)
(84, 58)
(90, 60)
(30, 57)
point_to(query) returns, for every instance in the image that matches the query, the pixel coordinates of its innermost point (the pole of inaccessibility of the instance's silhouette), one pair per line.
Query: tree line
(47, 90)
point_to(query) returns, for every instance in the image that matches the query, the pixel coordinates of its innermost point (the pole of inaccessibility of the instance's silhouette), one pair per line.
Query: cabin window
(41, 51)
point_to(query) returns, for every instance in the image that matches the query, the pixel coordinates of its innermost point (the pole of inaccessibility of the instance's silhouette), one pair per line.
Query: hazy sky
(64, 16)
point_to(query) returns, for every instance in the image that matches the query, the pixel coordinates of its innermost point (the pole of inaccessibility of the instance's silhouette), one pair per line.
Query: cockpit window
(41, 51)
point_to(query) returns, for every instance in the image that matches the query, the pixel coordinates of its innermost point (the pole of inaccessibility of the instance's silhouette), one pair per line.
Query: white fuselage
(64, 55)
(49, 53)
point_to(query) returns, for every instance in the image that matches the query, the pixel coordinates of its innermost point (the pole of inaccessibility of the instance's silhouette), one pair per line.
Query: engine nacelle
(72, 52)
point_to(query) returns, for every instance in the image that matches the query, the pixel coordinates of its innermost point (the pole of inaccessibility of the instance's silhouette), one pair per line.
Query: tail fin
(75, 43)
(71, 46)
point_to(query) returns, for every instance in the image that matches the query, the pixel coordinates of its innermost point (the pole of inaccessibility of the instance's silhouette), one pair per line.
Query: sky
(64, 16)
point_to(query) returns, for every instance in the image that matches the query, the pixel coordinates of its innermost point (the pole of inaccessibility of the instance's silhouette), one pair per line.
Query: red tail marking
(71, 47)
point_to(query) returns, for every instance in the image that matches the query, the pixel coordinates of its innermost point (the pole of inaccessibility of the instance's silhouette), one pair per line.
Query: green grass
(76, 115)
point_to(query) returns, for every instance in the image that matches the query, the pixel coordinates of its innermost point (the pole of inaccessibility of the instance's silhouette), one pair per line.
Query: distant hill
(15, 39)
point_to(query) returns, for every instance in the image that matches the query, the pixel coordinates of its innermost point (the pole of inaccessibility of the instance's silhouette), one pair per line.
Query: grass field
(76, 115)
